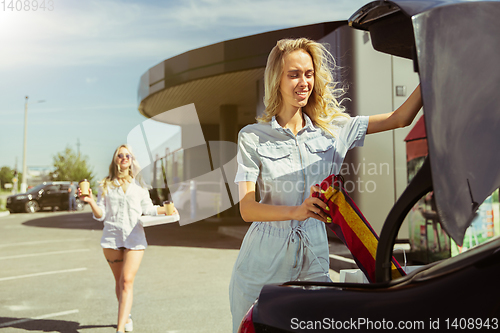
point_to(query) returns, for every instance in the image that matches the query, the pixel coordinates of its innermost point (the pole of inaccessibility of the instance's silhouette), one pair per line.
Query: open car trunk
(455, 47)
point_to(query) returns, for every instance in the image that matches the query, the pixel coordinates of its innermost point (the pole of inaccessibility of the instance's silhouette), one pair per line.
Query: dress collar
(117, 183)
(309, 124)
(275, 125)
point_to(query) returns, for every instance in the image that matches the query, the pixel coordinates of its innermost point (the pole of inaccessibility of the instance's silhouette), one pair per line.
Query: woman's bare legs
(124, 265)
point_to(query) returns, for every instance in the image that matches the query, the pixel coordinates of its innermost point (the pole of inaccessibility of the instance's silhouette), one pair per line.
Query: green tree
(69, 166)
(7, 176)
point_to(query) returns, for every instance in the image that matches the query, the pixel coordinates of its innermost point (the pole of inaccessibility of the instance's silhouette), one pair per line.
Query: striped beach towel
(348, 223)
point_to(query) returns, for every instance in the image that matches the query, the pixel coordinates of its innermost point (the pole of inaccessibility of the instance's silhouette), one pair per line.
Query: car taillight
(246, 325)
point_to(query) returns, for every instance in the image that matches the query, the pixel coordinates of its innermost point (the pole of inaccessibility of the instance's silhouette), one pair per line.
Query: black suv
(46, 195)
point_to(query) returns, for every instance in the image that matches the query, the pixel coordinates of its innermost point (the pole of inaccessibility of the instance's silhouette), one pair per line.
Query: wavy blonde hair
(323, 106)
(133, 170)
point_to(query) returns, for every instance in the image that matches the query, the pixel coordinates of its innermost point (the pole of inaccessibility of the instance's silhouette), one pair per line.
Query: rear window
(36, 188)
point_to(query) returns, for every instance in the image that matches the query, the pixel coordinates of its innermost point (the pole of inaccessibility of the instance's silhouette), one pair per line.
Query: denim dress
(285, 166)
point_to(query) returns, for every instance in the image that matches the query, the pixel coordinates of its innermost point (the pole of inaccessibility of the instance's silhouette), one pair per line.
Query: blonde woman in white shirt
(122, 199)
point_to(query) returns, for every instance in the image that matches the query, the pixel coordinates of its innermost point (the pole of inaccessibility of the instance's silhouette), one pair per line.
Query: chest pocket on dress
(320, 157)
(276, 161)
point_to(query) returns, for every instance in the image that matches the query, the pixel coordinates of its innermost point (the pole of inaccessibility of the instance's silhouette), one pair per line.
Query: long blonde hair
(133, 170)
(323, 106)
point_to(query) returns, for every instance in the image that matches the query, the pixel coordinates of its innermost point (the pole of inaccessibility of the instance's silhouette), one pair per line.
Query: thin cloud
(90, 80)
(257, 13)
(100, 32)
(72, 109)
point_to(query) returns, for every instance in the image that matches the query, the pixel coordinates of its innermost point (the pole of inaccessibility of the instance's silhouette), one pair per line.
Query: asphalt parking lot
(54, 278)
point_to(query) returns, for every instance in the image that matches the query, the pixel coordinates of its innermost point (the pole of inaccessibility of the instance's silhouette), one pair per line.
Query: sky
(84, 59)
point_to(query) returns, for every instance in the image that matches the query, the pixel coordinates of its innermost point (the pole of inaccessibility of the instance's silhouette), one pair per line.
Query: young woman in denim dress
(302, 138)
(121, 200)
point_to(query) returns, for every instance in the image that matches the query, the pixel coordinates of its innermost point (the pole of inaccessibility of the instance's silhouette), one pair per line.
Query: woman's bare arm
(401, 117)
(251, 210)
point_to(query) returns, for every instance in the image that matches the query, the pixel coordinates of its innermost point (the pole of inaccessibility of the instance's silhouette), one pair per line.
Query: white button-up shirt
(121, 212)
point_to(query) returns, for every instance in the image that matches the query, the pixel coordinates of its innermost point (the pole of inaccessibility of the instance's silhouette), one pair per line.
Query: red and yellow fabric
(348, 223)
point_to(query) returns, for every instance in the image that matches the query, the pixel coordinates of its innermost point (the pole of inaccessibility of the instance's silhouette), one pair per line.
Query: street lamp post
(23, 181)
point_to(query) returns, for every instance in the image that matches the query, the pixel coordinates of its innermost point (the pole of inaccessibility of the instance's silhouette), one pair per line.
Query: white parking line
(42, 273)
(50, 315)
(42, 254)
(44, 242)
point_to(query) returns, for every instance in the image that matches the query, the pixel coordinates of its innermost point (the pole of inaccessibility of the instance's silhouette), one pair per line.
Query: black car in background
(53, 195)
(454, 45)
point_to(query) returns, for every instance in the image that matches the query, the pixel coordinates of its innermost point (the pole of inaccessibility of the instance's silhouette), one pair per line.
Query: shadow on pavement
(46, 325)
(200, 234)
(66, 221)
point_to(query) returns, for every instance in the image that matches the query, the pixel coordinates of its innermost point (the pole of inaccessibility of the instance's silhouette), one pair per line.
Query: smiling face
(125, 160)
(297, 80)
